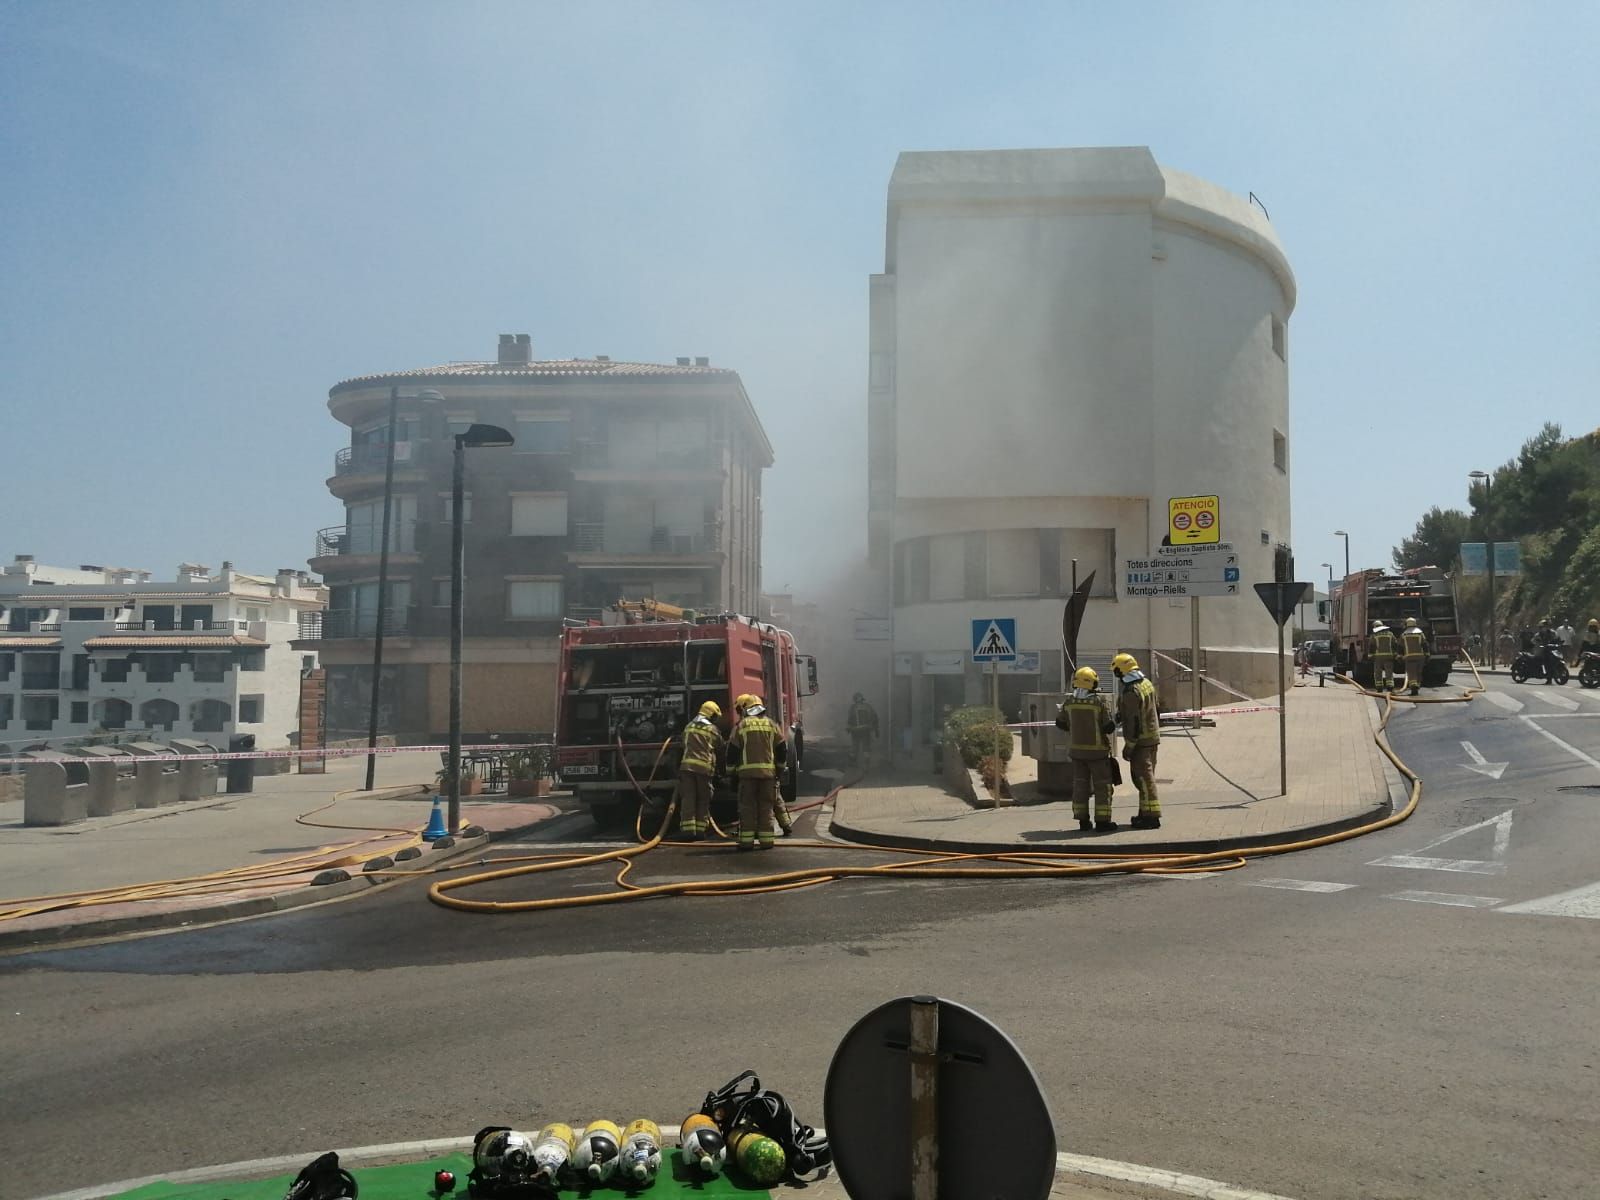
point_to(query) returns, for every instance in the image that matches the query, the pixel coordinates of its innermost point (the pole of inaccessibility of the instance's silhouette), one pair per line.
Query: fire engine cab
(629, 681)
(1365, 597)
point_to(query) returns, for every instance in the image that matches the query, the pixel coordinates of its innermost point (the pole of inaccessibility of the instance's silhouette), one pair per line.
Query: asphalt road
(1381, 1018)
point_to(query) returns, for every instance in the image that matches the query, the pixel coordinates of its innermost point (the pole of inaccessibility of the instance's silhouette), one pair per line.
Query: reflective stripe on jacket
(756, 742)
(1141, 716)
(1087, 720)
(1415, 643)
(701, 743)
(1383, 644)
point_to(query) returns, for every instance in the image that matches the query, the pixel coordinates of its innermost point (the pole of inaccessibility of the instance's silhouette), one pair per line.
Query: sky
(210, 213)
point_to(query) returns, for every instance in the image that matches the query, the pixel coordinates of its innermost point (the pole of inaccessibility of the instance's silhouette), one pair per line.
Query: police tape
(1204, 676)
(1182, 712)
(235, 755)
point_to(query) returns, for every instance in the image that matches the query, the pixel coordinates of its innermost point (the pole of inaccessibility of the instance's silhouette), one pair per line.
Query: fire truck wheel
(789, 785)
(607, 814)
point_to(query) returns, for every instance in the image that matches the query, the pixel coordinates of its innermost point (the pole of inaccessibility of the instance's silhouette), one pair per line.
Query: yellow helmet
(1086, 678)
(1594, 623)
(1123, 663)
(754, 702)
(710, 709)
(743, 701)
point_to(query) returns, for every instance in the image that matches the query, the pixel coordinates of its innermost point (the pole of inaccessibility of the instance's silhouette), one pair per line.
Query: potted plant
(528, 772)
(471, 784)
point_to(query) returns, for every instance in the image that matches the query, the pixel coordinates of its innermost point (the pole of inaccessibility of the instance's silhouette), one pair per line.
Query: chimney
(516, 350)
(24, 558)
(702, 361)
(602, 358)
(227, 565)
(683, 362)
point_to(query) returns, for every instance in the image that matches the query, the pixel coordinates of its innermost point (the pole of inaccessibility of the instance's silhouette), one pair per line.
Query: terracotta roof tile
(9, 641)
(217, 641)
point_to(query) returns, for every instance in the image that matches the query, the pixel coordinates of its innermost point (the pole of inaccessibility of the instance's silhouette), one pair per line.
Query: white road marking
(1481, 765)
(1567, 746)
(1447, 898)
(1469, 866)
(1300, 885)
(1509, 703)
(1557, 699)
(1579, 902)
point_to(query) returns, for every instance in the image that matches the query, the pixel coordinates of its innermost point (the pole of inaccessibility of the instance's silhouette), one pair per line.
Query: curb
(24, 940)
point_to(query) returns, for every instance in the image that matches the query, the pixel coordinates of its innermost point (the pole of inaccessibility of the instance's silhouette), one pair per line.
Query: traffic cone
(435, 829)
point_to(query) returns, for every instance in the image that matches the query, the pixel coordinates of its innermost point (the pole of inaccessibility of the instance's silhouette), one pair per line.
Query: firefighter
(862, 722)
(701, 762)
(1087, 719)
(1414, 646)
(755, 752)
(1140, 718)
(780, 810)
(1380, 648)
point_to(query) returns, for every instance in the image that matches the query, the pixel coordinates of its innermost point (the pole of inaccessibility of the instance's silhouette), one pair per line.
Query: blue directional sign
(994, 639)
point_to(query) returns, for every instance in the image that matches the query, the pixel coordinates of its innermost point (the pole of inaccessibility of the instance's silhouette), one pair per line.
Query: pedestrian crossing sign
(994, 639)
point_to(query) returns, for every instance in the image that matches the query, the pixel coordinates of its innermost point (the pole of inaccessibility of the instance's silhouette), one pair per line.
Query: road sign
(1204, 548)
(1281, 598)
(1026, 663)
(874, 629)
(1507, 558)
(994, 639)
(1163, 570)
(1192, 519)
(1192, 588)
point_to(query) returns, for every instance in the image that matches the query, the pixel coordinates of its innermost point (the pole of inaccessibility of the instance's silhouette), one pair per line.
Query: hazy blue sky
(210, 213)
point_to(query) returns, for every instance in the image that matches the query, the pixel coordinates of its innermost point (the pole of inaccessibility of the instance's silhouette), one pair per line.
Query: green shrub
(973, 732)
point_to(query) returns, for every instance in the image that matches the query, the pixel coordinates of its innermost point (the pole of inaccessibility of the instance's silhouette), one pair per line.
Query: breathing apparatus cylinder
(760, 1158)
(640, 1157)
(595, 1155)
(503, 1157)
(552, 1153)
(702, 1145)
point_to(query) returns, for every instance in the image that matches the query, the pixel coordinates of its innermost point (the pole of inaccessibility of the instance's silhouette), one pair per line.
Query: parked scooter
(1532, 664)
(1589, 669)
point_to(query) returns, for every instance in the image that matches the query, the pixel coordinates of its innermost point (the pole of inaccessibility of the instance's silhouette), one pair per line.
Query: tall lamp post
(1346, 537)
(1484, 478)
(475, 437)
(383, 571)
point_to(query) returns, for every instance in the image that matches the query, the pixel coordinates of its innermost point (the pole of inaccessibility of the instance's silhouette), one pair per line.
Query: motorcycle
(1531, 664)
(1589, 669)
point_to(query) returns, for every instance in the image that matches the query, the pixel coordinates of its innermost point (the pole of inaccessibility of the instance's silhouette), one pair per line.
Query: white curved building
(1061, 341)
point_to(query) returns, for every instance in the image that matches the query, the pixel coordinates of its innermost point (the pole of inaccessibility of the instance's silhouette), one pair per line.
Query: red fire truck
(630, 680)
(1373, 595)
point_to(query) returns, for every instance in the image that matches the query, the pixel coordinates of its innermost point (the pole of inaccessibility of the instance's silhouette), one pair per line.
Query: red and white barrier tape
(1205, 677)
(233, 755)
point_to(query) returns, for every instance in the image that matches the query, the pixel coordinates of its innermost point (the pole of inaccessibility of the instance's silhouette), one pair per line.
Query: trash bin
(241, 771)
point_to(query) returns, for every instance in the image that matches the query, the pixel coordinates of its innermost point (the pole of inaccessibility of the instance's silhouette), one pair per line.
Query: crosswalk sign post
(1280, 599)
(994, 640)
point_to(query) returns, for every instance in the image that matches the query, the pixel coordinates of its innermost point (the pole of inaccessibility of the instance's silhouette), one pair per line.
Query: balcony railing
(371, 460)
(177, 626)
(362, 623)
(366, 539)
(595, 537)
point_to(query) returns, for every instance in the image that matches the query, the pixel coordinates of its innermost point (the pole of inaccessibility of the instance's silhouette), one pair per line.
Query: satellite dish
(926, 1098)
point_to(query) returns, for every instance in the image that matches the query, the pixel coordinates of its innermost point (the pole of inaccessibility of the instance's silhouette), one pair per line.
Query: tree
(1436, 542)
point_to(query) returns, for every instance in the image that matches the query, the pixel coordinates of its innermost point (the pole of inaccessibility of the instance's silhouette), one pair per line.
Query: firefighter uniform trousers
(1416, 654)
(694, 802)
(758, 801)
(1141, 730)
(1383, 660)
(756, 743)
(1087, 720)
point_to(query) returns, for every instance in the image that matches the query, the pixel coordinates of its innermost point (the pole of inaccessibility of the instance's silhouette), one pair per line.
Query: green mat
(414, 1181)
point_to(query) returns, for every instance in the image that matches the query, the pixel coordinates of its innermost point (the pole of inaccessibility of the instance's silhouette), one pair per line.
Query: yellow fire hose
(1005, 865)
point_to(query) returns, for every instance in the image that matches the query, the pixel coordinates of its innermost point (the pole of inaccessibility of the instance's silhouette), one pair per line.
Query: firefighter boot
(1085, 824)
(1145, 820)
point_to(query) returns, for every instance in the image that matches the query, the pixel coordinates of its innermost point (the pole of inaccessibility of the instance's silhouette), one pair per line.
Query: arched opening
(113, 714)
(210, 716)
(159, 714)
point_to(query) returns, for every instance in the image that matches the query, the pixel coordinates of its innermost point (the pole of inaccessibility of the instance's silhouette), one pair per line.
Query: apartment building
(97, 650)
(627, 480)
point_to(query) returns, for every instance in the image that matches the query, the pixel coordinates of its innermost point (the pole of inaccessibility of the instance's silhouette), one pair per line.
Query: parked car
(1318, 652)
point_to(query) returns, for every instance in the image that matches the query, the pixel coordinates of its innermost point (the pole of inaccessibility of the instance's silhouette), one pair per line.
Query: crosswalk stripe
(1447, 898)
(1579, 902)
(1557, 700)
(1509, 703)
(1300, 885)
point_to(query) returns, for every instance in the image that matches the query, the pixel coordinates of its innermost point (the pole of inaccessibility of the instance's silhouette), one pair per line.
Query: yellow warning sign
(1192, 520)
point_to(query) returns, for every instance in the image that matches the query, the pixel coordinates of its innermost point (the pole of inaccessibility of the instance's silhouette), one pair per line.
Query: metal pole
(383, 588)
(999, 728)
(1283, 718)
(924, 1050)
(457, 563)
(1194, 657)
(1488, 520)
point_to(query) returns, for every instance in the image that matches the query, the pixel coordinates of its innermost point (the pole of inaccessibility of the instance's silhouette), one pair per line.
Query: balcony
(595, 462)
(361, 468)
(175, 626)
(339, 623)
(360, 545)
(627, 541)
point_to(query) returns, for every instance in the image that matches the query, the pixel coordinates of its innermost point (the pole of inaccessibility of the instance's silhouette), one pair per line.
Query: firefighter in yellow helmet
(755, 752)
(1380, 649)
(1140, 718)
(1414, 646)
(780, 810)
(1086, 716)
(700, 764)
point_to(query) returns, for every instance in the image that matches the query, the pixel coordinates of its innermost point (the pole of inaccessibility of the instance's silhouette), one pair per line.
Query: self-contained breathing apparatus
(743, 1103)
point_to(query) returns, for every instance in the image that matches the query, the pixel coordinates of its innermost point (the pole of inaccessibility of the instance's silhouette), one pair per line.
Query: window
(253, 614)
(41, 671)
(160, 668)
(1095, 550)
(364, 526)
(8, 710)
(252, 710)
(1014, 562)
(947, 566)
(79, 711)
(210, 716)
(39, 712)
(114, 714)
(441, 592)
(533, 599)
(1280, 339)
(539, 434)
(22, 618)
(253, 660)
(446, 513)
(158, 714)
(1280, 451)
(210, 668)
(8, 664)
(86, 614)
(114, 670)
(539, 515)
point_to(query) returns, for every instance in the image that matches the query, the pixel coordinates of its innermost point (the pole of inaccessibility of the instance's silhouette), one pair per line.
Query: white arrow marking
(1492, 770)
(1579, 902)
(1470, 866)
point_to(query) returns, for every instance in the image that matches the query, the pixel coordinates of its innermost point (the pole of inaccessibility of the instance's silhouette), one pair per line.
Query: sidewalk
(229, 832)
(1218, 787)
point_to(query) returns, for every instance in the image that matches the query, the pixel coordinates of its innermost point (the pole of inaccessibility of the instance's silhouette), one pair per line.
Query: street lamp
(474, 437)
(1346, 537)
(431, 397)
(1484, 478)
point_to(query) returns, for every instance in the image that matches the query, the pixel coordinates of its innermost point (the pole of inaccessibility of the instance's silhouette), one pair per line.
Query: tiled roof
(546, 368)
(12, 640)
(210, 641)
